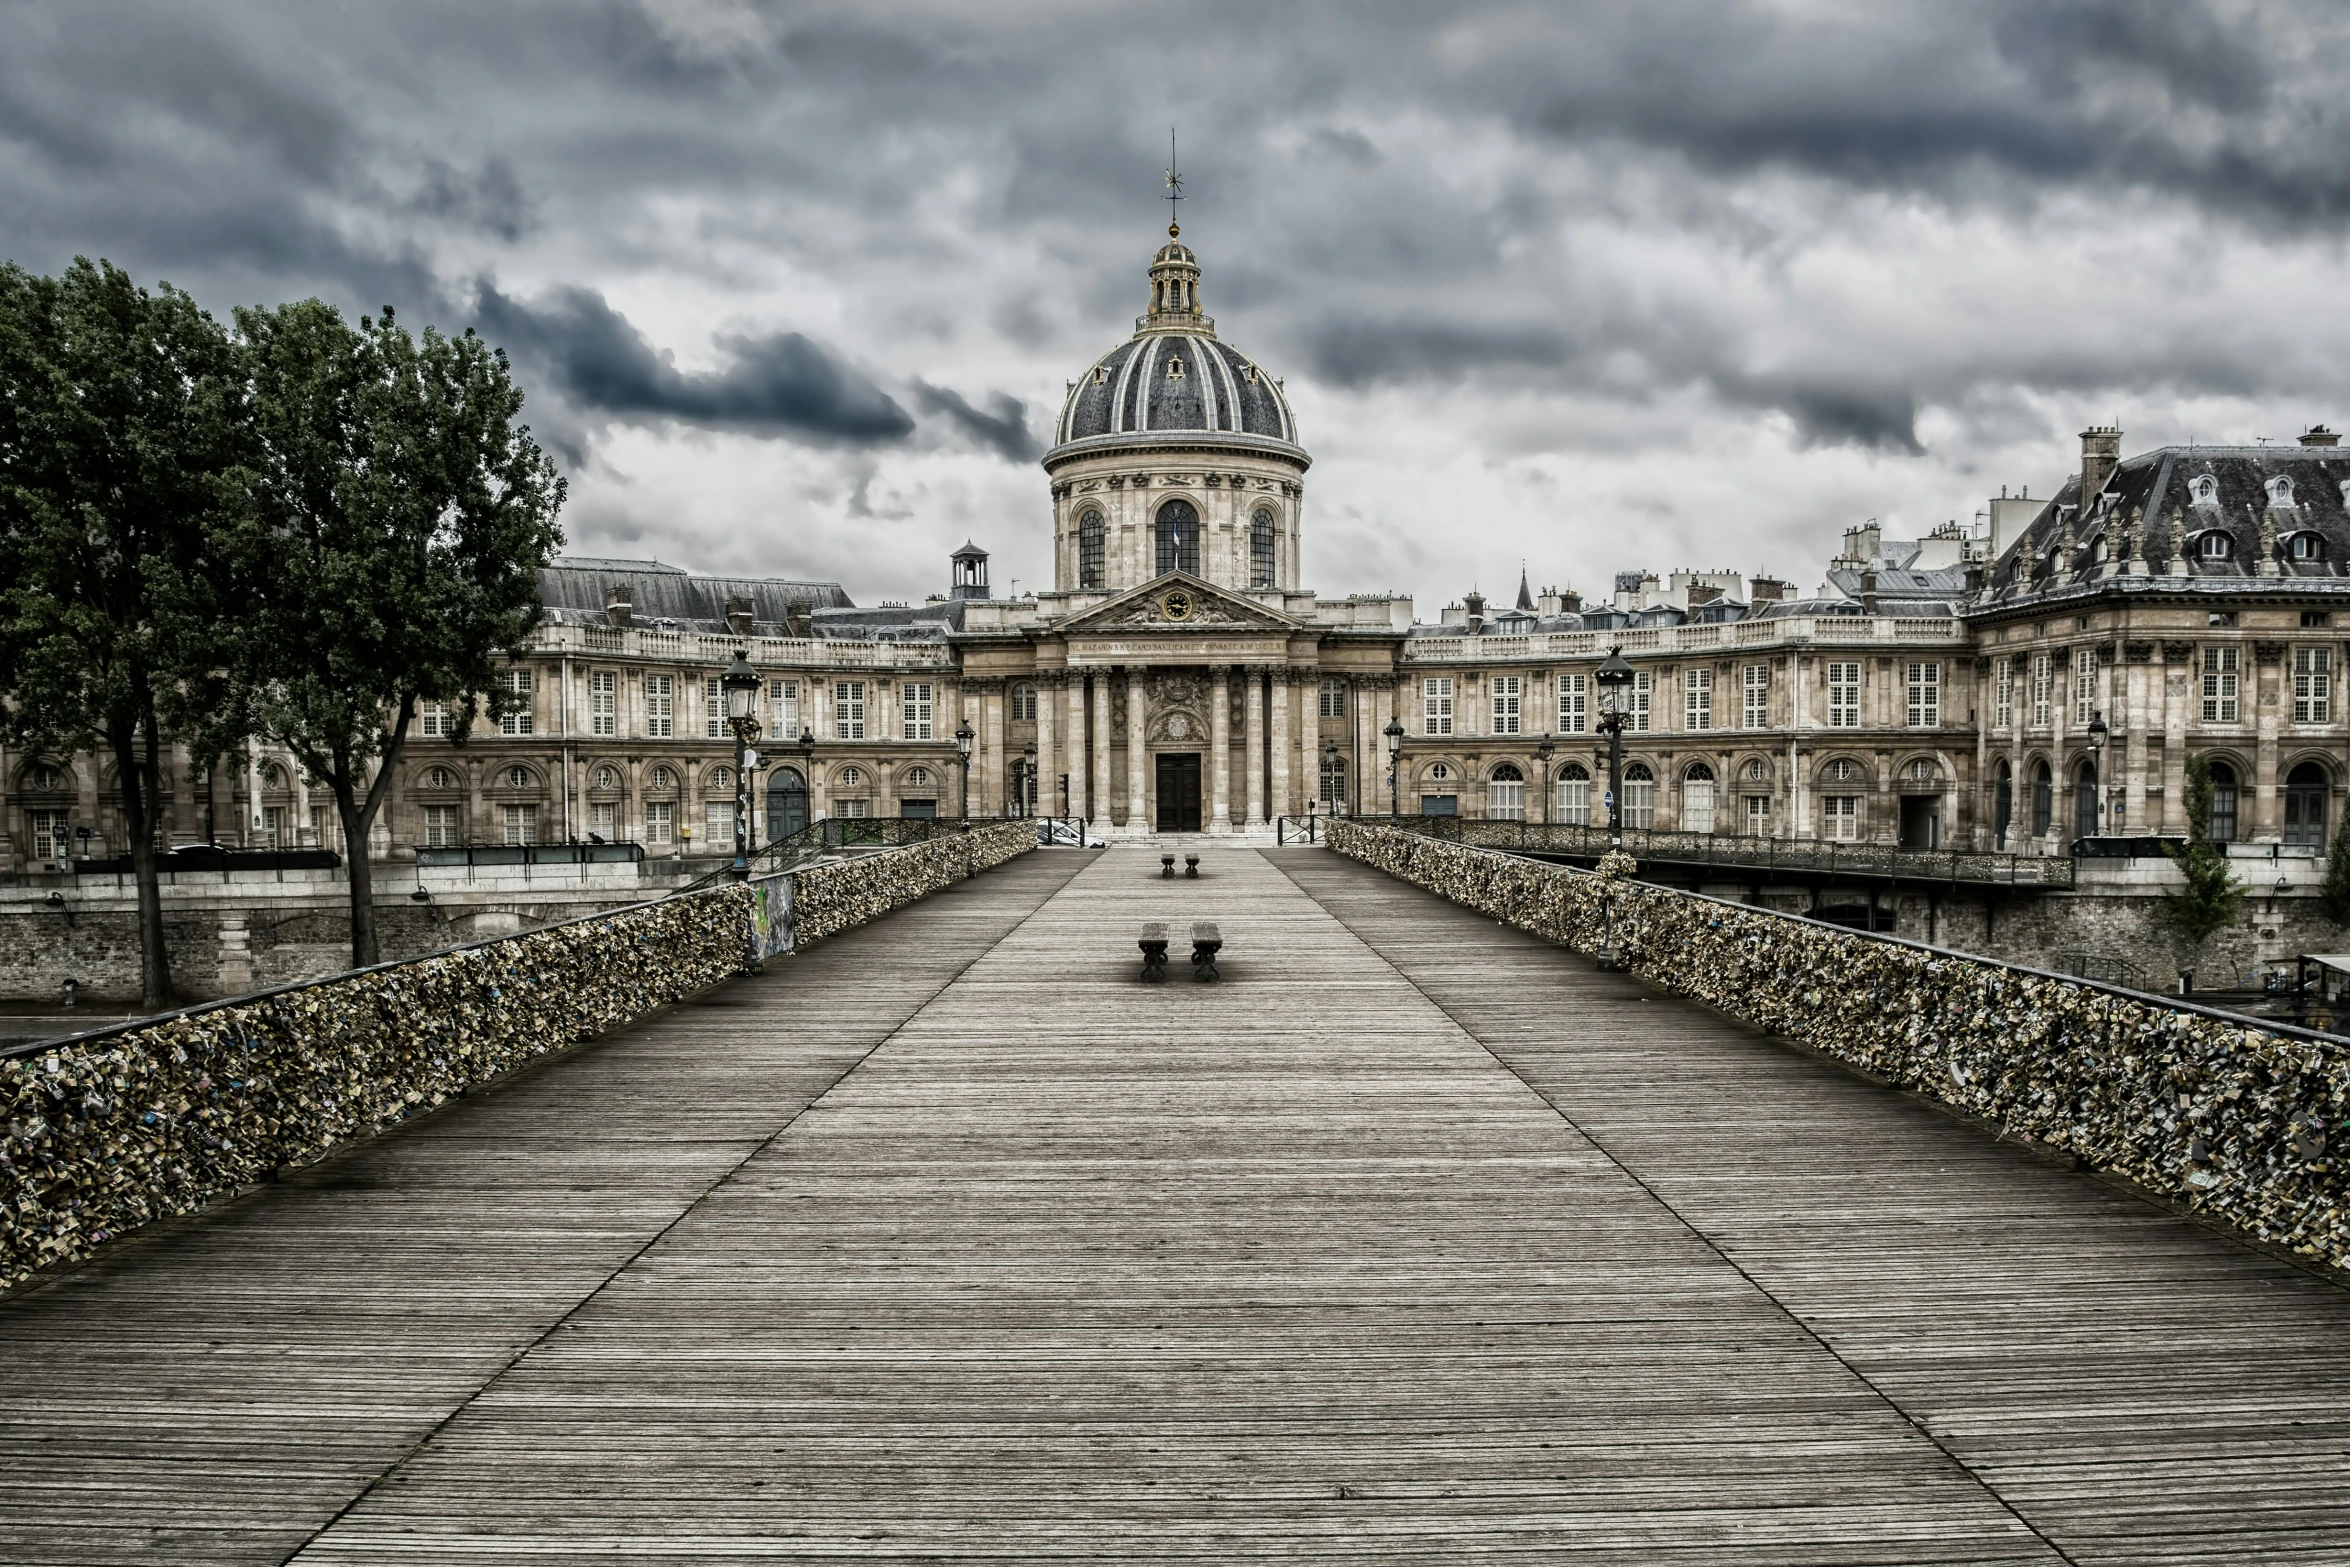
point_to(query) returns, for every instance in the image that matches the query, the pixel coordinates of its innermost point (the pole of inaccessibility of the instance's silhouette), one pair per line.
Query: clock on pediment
(1176, 604)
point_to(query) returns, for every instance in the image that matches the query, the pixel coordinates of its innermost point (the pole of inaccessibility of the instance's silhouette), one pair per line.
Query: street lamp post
(964, 735)
(1333, 787)
(741, 684)
(1542, 750)
(1028, 789)
(1394, 734)
(2098, 733)
(1614, 679)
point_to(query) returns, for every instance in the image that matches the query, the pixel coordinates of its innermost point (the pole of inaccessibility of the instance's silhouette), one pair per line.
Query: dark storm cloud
(1352, 351)
(1003, 431)
(781, 382)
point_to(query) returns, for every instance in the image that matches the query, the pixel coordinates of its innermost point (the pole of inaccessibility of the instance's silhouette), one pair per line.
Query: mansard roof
(576, 588)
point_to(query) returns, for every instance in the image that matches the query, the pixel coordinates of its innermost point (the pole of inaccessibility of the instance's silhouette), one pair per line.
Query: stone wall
(102, 1134)
(2234, 1120)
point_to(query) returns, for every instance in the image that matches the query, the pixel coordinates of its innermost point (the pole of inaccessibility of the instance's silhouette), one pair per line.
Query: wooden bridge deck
(1413, 1241)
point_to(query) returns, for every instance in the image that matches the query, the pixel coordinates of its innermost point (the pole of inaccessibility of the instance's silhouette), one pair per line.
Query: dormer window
(2205, 490)
(2097, 550)
(2280, 491)
(1174, 369)
(1101, 375)
(2345, 488)
(2306, 546)
(2215, 545)
(1251, 373)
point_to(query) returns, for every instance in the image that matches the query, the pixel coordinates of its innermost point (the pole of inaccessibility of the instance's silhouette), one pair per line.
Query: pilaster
(1137, 794)
(1220, 748)
(1254, 719)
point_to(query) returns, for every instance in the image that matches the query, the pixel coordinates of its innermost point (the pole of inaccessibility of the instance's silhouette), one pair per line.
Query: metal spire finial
(1174, 187)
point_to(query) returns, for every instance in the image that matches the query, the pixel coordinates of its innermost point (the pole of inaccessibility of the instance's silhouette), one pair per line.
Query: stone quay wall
(103, 1133)
(2242, 1122)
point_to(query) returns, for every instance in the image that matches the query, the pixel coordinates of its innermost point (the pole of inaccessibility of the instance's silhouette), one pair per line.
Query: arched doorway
(1505, 794)
(2002, 805)
(2223, 803)
(2306, 787)
(2085, 801)
(2043, 799)
(1177, 534)
(787, 802)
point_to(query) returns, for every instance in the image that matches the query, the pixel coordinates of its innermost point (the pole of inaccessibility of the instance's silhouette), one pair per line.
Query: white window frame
(1333, 698)
(1756, 679)
(440, 827)
(603, 702)
(1436, 705)
(1840, 818)
(1843, 683)
(660, 706)
(1574, 704)
(848, 709)
(2313, 685)
(52, 834)
(713, 709)
(2222, 684)
(2043, 689)
(718, 821)
(2084, 686)
(916, 709)
(1574, 800)
(660, 821)
(1642, 693)
(1758, 816)
(519, 824)
(516, 720)
(1925, 695)
(434, 720)
(2002, 693)
(1697, 805)
(1639, 803)
(1505, 799)
(1697, 699)
(783, 711)
(1508, 694)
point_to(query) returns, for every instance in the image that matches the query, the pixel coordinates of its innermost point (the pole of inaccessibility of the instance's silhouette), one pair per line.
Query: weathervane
(1174, 186)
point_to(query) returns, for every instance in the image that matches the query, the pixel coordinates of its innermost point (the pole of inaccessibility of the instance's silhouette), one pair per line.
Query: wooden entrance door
(1179, 791)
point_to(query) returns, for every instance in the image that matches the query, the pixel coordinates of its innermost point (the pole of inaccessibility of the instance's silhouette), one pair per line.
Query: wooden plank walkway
(1412, 1241)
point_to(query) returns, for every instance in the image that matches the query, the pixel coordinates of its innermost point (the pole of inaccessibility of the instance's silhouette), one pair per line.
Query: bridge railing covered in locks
(105, 1132)
(2244, 1122)
(1810, 856)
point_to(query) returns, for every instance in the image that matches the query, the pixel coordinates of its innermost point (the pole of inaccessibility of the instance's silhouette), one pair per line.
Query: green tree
(2333, 895)
(402, 517)
(2211, 897)
(122, 444)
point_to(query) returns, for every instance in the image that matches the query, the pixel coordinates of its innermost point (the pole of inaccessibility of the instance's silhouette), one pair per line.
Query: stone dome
(1174, 378)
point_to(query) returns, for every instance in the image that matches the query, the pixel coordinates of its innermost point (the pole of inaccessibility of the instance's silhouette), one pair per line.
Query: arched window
(2215, 545)
(2097, 550)
(1091, 570)
(1756, 772)
(518, 778)
(662, 778)
(721, 778)
(1023, 704)
(2223, 803)
(1574, 795)
(272, 776)
(45, 779)
(607, 778)
(2280, 491)
(1440, 772)
(1922, 770)
(2204, 490)
(787, 802)
(2043, 800)
(2085, 814)
(850, 777)
(1697, 799)
(1260, 550)
(1177, 537)
(917, 777)
(1505, 794)
(1639, 797)
(439, 778)
(2002, 806)
(1842, 770)
(2306, 546)
(2306, 787)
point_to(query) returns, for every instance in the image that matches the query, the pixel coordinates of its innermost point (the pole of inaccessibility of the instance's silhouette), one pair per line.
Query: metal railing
(1806, 856)
(1298, 829)
(833, 834)
(479, 854)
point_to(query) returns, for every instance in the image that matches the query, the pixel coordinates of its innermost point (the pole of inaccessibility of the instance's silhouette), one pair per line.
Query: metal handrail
(1307, 829)
(1731, 851)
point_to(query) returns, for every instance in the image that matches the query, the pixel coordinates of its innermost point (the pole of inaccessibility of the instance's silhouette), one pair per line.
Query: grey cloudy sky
(797, 288)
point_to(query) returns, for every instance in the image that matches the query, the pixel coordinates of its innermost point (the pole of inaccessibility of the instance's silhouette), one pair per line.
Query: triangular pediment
(1177, 602)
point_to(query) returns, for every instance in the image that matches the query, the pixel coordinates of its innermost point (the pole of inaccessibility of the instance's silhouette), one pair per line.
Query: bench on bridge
(1206, 942)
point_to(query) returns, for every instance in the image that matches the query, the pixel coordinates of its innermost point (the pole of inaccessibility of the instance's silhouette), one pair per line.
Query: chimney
(1766, 590)
(1868, 592)
(2101, 449)
(1570, 602)
(738, 614)
(617, 605)
(1701, 595)
(1474, 602)
(2319, 435)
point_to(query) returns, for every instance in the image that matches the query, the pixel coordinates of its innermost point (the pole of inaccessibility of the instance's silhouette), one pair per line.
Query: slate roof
(1175, 382)
(2057, 553)
(575, 588)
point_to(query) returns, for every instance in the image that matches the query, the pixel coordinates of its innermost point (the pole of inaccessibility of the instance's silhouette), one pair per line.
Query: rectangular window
(1333, 699)
(1757, 681)
(718, 822)
(1843, 694)
(660, 706)
(434, 720)
(713, 709)
(1758, 816)
(2313, 685)
(2002, 692)
(915, 708)
(515, 685)
(1505, 799)
(2043, 688)
(1505, 703)
(604, 703)
(440, 827)
(522, 823)
(783, 711)
(1697, 699)
(848, 709)
(52, 834)
(2220, 673)
(1840, 818)
(1574, 805)
(660, 822)
(1697, 805)
(1436, 705)
(1574, 703)
(857, 807)
(604, 822)
(2084, 686)
(1925, 696)
(1643, 688)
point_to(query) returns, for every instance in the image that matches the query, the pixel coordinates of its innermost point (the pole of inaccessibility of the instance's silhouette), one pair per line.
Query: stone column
(992, 733)
(1282, 804)
(2267, 688)
(1137, 795)
(2180, 694)
(1375, 743)
(1080, 760)
(1220, 749)
(1097, 799)
(1046, 782)
(1255, 751)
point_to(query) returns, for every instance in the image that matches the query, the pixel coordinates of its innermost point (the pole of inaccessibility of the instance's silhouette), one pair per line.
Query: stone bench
(1206, 942)
(1154, 953)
